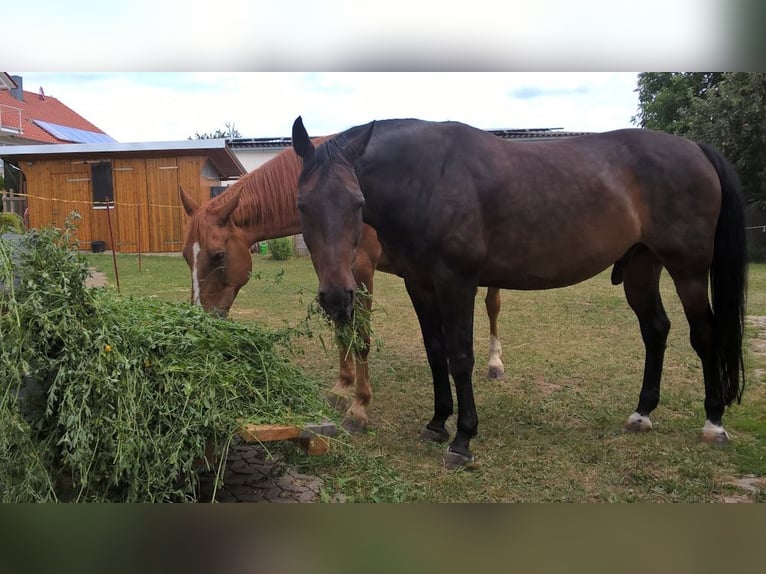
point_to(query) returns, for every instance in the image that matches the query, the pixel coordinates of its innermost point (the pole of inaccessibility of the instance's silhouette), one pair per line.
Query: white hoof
(714, 434)
(638, 423)
(495, 368)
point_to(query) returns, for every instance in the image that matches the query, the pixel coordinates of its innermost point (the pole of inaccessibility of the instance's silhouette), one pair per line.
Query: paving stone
(252, 476)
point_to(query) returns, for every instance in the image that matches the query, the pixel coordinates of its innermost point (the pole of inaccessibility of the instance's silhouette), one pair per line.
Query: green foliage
(664, 96)
(724, 109)
(230, 131)
(109, 398)
(280, 248)
(11, 222)
(733, 117)
(349, 334)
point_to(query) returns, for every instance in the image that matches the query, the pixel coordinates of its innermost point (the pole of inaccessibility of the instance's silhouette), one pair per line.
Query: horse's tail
(728, 279)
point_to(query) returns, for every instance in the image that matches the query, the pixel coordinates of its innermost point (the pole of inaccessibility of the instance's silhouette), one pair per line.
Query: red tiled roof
(38, 107)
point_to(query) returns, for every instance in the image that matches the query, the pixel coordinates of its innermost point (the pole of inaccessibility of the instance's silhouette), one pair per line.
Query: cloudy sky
(263, 46)
(163, 106)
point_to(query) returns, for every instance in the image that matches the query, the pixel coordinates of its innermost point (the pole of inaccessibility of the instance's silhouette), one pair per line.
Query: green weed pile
(110, 398)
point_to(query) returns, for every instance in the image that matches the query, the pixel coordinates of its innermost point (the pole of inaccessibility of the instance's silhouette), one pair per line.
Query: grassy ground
(551, 431)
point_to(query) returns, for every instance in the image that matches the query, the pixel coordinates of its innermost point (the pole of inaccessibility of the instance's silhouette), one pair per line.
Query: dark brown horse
(455, 207)
(260, 206)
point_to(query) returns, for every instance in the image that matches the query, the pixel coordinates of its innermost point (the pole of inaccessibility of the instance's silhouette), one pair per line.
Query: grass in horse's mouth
(350, 333)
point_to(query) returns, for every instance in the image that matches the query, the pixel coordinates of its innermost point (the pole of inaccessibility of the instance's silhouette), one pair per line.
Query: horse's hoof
(337, 402)
(354, 425)
(714, 434)
(432, 435)
(638, 423)
(495, 372)
(454, 460)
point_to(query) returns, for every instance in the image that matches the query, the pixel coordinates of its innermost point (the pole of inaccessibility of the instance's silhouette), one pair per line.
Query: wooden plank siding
(131, 205)
(147, 215)
(56, 188)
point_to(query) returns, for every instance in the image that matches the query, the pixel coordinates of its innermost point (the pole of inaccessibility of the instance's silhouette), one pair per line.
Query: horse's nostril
(337, 303)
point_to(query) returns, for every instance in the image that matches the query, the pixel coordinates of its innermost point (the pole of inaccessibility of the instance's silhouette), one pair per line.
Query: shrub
(281, 248)
(11, 222)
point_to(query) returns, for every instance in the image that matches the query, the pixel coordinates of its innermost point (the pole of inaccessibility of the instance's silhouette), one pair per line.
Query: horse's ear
(224, 212)
(301, 142)
(190, 206)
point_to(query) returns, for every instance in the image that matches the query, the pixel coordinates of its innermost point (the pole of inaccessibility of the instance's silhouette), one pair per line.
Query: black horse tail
(728, 279)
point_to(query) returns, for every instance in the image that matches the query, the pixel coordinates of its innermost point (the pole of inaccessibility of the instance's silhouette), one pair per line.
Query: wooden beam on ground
(313, 438)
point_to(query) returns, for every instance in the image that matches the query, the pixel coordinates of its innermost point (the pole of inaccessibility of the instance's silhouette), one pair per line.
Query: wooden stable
(137, 183)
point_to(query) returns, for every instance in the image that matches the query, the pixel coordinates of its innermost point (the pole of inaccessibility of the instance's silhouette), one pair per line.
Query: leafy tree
(664, 96)
(230, 131)
(733, 118)
(724, 109)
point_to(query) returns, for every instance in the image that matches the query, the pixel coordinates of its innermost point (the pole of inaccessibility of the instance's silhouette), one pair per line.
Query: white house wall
(254, 158)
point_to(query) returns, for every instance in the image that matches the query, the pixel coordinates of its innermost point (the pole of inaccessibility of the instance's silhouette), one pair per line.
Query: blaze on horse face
(337, 231)
(218, 254)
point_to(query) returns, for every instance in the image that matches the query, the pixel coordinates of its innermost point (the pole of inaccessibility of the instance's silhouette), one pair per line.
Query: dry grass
(552, 430)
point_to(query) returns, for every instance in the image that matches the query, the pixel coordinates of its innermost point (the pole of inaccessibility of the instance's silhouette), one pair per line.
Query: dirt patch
(546, 387)
(750, 485)
(95, 278)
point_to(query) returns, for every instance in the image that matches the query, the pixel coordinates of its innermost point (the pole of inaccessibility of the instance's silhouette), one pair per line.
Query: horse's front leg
(354, 362)
(355, 420)
(456, 302)
(426, 308)
(339, 396)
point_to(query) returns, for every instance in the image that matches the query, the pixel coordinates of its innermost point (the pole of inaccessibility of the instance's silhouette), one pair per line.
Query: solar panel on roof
(74, 135)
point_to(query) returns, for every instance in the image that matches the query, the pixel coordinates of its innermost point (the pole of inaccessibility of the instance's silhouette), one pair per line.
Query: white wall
(252, 158)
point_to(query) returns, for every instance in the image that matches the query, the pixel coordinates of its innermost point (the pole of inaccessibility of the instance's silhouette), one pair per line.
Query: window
(101, 178)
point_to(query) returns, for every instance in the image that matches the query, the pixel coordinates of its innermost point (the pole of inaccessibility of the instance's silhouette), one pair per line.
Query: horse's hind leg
(693, 291)
(495, 368)
(641, 281)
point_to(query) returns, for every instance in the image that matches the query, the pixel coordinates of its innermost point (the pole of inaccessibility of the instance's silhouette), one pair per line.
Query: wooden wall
(147, 215)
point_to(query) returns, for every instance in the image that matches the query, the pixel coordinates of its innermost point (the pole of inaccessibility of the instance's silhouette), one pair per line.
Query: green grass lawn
(551, 431)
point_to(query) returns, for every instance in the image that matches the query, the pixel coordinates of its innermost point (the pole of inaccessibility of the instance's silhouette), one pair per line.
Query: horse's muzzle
(337, 303)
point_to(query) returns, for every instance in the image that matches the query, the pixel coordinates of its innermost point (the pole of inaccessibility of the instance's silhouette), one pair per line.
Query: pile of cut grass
(109, 398)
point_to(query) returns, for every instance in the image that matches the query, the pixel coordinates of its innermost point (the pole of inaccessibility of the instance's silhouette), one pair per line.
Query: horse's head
(217, 251)
(330, 203)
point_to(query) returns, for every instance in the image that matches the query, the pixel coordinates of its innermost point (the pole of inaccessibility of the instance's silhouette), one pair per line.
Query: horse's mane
(268, 192)
(333, 150)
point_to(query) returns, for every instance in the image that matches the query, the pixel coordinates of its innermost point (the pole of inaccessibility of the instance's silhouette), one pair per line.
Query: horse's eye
(218, 256)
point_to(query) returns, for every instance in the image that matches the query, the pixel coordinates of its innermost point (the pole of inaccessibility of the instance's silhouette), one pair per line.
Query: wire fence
(756, 243)
(17, 203)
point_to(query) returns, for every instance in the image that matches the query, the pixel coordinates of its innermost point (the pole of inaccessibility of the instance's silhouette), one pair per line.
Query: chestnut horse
(455, 207)
(262, 205)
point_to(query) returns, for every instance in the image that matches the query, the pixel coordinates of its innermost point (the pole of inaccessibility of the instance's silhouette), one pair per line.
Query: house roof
(217, 151)
(6, 83)
(280, 143)
(38, 112)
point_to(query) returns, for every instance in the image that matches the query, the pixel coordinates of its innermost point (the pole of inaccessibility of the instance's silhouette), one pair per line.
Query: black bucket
(98, 246)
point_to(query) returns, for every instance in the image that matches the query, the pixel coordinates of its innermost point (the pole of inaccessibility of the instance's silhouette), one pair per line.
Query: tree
(664, 96)
(724, 109)
(733, 118)
(230, 132)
